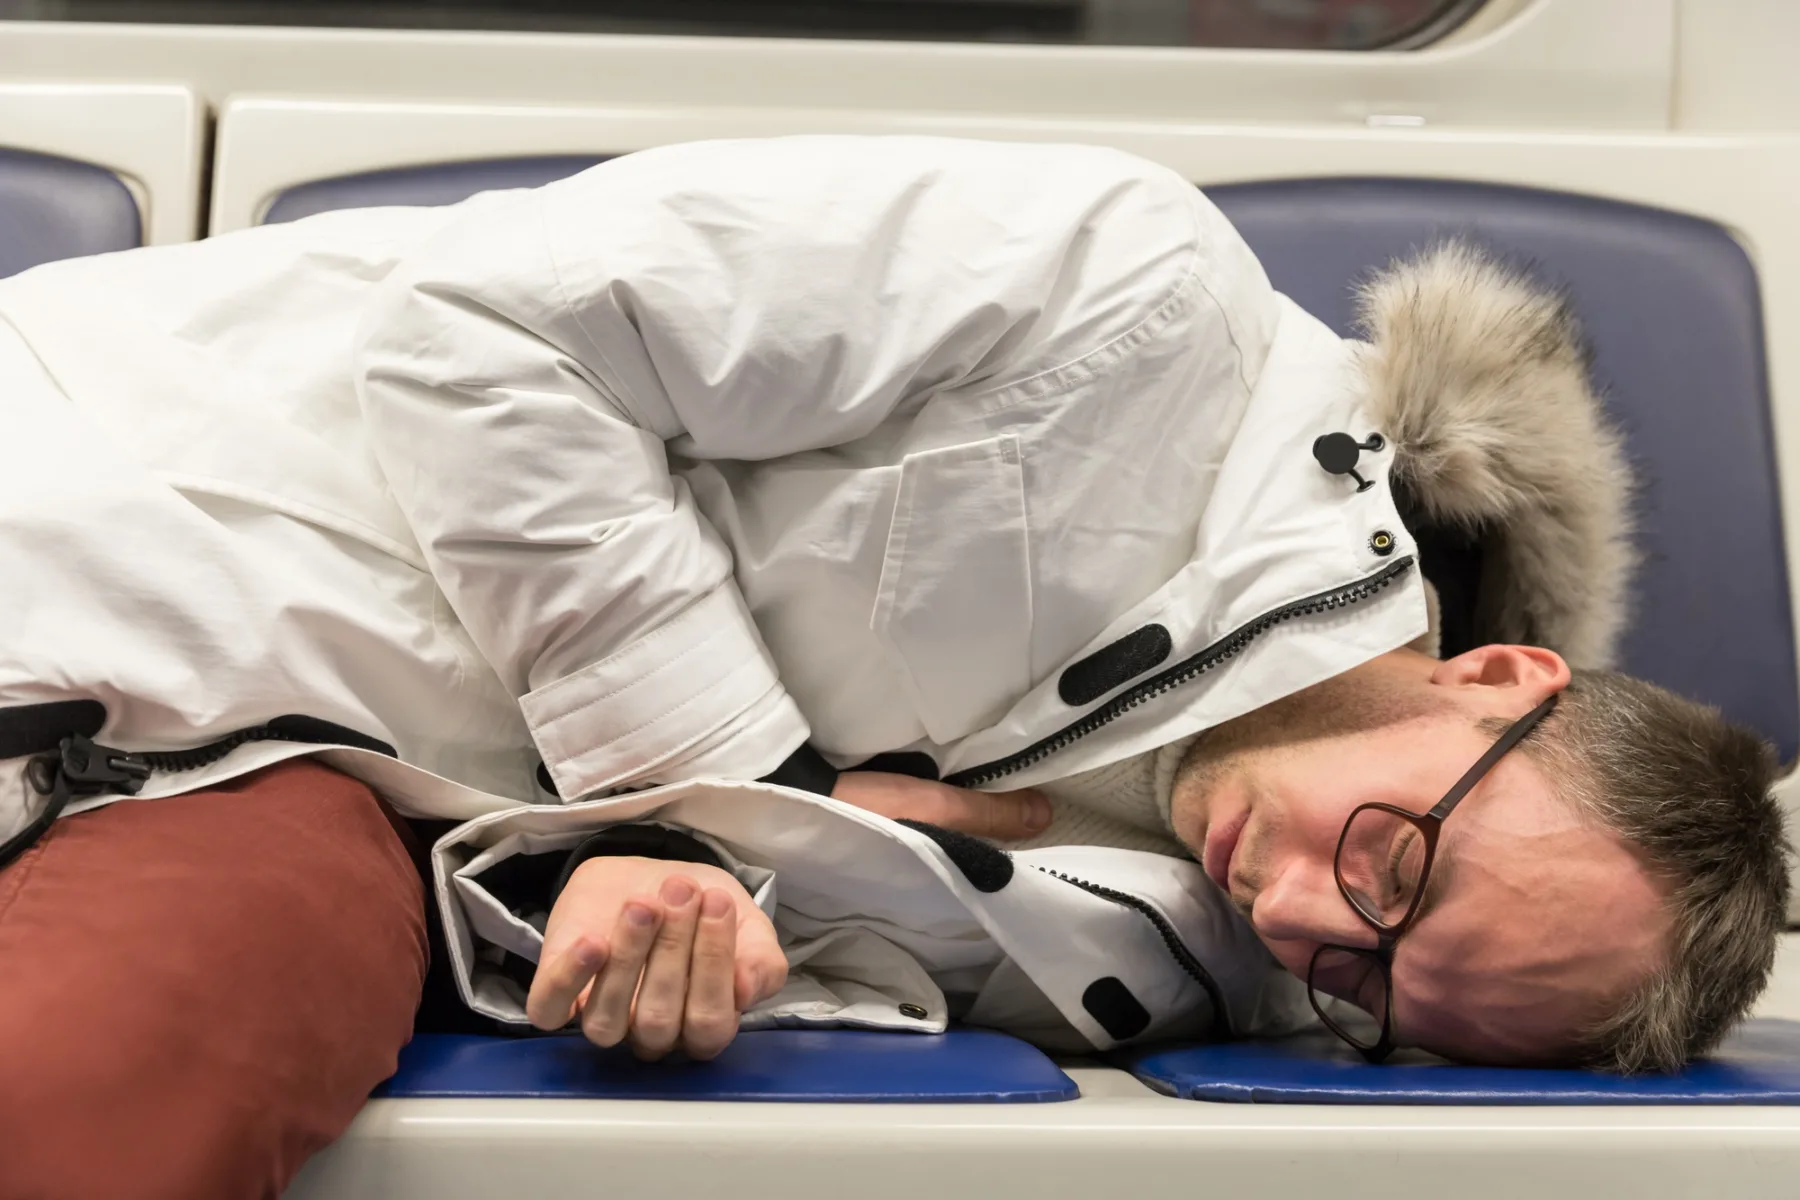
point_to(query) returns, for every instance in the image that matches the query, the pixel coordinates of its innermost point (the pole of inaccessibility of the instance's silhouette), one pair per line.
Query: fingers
(1002, 816)
(1019, 814)
(606, 1017)
(675, 970)
(761, 966)
(558, 982)
(662, 996)
(711, 1020)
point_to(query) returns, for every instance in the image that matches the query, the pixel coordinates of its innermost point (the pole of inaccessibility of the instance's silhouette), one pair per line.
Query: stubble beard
(1241, 750)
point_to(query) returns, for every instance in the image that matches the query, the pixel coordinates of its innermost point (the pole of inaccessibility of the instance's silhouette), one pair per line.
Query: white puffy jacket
(1001, 454)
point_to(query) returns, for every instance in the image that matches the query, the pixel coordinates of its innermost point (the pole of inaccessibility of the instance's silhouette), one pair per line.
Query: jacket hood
(1478, 376)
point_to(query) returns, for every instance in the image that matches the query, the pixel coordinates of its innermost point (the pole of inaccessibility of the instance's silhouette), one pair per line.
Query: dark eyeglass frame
(1430, 825)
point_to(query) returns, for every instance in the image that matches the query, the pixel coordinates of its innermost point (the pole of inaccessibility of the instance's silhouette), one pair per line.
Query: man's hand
(1002, 816)
(660, 954)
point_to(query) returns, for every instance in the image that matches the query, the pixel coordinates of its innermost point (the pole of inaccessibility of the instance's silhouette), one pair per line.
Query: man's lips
(1221, 844)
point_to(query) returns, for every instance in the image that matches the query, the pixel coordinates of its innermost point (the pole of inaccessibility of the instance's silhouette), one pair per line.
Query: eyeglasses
(1383, 861)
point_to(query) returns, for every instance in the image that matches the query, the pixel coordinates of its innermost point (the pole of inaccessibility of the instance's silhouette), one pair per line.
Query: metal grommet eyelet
(1382, 542)
(914, 1011)
(1375, 443)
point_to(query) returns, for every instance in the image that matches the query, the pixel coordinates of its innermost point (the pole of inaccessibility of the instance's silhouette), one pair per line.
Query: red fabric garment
(200, 991)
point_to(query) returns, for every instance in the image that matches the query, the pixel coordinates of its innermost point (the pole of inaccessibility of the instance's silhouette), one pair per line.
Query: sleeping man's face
(1534, 921)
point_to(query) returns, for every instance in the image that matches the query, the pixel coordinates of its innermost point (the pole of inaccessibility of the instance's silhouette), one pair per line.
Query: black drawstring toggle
(1338, 453)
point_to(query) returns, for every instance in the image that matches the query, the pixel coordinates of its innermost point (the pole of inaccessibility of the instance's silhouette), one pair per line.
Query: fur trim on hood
(1479, 378)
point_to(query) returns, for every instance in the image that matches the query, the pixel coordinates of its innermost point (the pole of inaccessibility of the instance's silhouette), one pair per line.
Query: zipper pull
(87, 768)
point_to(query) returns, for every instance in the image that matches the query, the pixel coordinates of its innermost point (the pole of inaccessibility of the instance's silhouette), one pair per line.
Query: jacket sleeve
(527, 375)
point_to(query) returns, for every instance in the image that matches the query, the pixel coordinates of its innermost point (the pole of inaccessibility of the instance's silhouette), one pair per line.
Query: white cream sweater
(1124, 805)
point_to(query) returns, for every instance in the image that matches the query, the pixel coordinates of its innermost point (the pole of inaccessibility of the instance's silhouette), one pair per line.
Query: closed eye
(1402, 875)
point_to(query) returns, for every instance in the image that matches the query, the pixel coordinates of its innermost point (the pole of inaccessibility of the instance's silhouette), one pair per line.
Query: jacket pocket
(954, 601)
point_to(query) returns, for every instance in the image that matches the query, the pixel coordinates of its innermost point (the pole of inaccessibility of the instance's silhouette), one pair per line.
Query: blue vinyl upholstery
(1672, 307)
(1760, 1064)
(53, 208)
(841, 1065)
(436, 183)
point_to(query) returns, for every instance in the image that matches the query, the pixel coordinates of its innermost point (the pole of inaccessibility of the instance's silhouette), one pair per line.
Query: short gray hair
(1690, 792)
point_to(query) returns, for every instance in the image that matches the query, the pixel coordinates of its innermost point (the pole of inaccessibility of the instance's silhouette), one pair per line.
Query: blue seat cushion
(1759, 1064)
(53, 208)
(435, 183)
(1672, 306)
(838, 1065)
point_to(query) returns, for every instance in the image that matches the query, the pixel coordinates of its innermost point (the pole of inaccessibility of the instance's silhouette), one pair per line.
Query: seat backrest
(53, 208)
(1672, 307)
(434, 183)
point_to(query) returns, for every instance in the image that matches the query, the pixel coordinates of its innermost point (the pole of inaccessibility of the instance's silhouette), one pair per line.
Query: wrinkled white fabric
(658, 468)
(658, 471)
(1124, 805)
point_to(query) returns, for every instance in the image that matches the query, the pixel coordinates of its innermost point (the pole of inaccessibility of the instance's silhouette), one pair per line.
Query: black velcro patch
(1090, 678)
(40, 728)
(1111, 1003)
(986, 866)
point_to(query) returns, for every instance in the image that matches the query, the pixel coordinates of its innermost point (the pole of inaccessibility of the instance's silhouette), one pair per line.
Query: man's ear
(1531, 673)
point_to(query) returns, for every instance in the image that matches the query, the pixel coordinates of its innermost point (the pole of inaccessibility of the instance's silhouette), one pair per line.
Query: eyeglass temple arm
(1512, 737)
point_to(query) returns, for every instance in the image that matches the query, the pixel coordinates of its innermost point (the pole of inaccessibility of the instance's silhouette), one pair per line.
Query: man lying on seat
(982, 485)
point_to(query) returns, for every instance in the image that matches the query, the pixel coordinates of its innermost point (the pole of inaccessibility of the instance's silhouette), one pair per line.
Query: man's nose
(1303, 904)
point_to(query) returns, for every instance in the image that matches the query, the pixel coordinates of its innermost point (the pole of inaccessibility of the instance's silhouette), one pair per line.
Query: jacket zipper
(81, 767)
(1184, 958)
(147, 762)
(83, 761)
(1227, 647)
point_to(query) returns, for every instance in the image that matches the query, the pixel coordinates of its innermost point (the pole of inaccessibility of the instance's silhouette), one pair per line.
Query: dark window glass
(1289, 24)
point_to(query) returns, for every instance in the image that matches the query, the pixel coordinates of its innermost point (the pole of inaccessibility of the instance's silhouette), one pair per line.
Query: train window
(1285, 24)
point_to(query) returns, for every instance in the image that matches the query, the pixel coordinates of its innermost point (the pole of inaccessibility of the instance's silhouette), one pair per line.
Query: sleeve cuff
(804, 770)
(698, 695)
